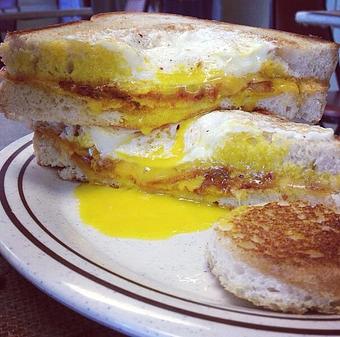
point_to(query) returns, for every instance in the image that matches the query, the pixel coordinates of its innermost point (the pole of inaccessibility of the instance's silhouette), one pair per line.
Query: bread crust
(271, 34)
(300, 240)
(294, 244)
(309, 289)
(20, 100)
(292, 48)
(301, 58)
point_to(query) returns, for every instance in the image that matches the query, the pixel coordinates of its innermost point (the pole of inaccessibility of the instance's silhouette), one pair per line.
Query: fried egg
(201, 139)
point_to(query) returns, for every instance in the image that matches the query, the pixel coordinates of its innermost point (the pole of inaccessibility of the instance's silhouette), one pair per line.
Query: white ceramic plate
(144, 288)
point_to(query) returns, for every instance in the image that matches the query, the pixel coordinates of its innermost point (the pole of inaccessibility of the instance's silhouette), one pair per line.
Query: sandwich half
(280, 256)
(142, 71)
(225, 157)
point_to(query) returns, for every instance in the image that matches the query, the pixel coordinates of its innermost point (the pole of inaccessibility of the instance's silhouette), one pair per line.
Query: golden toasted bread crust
(296, 243)
(296, 232)
(270, 34)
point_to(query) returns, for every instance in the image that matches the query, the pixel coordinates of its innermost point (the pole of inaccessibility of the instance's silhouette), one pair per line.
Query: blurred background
(308, 17)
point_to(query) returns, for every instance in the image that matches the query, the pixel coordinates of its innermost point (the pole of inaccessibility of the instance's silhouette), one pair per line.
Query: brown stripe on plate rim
(16, 222)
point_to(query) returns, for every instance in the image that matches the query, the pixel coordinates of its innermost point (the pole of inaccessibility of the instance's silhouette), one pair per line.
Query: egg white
(201, 136)
(232, 52)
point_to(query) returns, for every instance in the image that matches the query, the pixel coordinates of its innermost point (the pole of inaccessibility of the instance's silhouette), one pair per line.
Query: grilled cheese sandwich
(146, 102)
(225, 157)
(156, 74)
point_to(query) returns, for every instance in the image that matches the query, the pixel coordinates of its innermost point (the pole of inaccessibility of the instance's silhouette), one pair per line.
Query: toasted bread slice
(144, 33)
(24, 102)
(228, 157)
(283, 257)
(159, 68)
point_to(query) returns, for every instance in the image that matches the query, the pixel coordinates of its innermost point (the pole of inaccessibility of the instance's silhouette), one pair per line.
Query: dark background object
(198, 8)
(284, 17)
(10, 25)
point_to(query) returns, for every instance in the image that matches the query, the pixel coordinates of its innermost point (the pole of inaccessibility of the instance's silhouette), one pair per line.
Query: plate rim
(18, 148)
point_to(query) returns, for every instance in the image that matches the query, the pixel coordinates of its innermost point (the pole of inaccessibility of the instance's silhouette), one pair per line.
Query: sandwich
(227, 157)
(143, 71)
(212, 112)
(281, 256)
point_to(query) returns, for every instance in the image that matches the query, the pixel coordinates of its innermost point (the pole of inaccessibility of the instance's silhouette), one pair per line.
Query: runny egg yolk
(127, 213)
(157, 158)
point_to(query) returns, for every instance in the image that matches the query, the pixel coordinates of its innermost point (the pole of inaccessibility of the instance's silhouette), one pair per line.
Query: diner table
(26, 311)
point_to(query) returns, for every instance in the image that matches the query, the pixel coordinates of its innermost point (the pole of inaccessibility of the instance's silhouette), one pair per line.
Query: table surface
(24, 310)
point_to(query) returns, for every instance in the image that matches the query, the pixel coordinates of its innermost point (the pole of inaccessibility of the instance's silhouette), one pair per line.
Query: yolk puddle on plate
(129, 213)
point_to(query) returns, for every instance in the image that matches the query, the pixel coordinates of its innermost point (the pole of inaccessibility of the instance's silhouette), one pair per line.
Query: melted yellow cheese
(243, 153)
(247, 99)
(153, 112)
(127, 213)
(168, 97)
(248, 157)
(192, 79)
